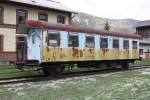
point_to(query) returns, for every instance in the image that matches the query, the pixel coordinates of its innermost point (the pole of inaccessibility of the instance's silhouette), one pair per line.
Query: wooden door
(21, 49)
(1, 43)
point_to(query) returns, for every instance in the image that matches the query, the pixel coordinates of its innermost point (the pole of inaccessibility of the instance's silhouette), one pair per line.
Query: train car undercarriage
(56, 68)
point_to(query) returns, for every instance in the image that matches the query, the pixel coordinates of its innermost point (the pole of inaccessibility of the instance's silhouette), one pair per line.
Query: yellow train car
(53, 46)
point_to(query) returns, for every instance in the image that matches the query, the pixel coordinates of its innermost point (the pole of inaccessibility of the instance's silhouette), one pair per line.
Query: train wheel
(114, 65)
(125, 65)
(102, 66)
(53, 71)
(59, 70)
(46, 71)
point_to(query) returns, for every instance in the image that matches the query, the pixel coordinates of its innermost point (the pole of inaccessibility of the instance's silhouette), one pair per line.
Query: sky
(115, 9)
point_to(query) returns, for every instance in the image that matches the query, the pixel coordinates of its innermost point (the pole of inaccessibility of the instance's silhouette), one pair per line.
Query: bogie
(53, 70)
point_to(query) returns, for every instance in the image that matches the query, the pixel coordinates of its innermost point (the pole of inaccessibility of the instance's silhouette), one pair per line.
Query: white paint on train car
(82, 40)
(130, 44)
(34, 44)
(110, 42)
(120, 43)
(44, 35)
(63, 39)
(97, 41)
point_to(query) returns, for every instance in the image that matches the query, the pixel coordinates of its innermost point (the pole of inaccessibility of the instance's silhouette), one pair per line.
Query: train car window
(90, 43)
(116, 43)
(125, 44)
(73, 40)
(54, 39)
(134, 43)
(104, 43)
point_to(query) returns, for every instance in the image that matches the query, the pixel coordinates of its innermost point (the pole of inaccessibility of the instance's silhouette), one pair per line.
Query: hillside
(120, 25)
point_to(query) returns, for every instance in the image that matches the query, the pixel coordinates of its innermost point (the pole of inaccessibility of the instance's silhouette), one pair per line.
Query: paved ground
(131, 85)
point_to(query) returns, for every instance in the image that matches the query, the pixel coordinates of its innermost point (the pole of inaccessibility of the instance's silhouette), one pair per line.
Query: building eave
(141, 24)
(38, 6)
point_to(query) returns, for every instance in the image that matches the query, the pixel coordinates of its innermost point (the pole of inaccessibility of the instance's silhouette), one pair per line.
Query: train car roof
(22, 27)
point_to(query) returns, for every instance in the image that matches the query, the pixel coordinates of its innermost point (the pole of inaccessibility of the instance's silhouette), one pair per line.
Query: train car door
(21, 48)
(34, 44)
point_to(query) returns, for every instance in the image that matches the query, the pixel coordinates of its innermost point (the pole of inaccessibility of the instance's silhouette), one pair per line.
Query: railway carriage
(52, 46)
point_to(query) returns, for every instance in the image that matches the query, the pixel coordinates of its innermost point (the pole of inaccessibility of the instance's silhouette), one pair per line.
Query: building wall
(144, 31)
(145, 42)
(9, 39)
(10, 14)
(145, 51)
(10, 18)
(8, 28)
(146, 48)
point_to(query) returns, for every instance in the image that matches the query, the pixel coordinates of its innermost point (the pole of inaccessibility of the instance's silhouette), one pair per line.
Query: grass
(132, 85)
(141, 63)
(9, 71)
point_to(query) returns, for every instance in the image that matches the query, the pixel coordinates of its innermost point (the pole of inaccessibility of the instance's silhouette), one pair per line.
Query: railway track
(39, 78)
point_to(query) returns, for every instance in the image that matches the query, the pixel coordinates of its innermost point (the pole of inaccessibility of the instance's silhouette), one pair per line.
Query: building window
(21, 15)
(43, 17)
(104, 43)
(141, 51)
(125, 44)
(116, 43)
(54, 39)
(145, 34)
(134, 43)
(148, 50)
(61, 19)
(1, 43)
(90, 43)
(21, 39)
(73, 40)
(1, 15)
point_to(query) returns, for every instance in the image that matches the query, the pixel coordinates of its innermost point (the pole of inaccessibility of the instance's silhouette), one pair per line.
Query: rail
(38, 78)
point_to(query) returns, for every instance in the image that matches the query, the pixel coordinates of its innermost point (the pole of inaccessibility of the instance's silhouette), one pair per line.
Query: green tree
(107, 26)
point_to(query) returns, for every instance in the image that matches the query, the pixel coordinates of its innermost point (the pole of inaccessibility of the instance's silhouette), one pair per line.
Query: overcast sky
(116, 9)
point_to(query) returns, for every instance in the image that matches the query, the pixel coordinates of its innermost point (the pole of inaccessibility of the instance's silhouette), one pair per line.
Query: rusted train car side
(52, 46)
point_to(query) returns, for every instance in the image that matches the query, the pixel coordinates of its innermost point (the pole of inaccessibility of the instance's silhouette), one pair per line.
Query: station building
(13, 12)
(143, 29)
